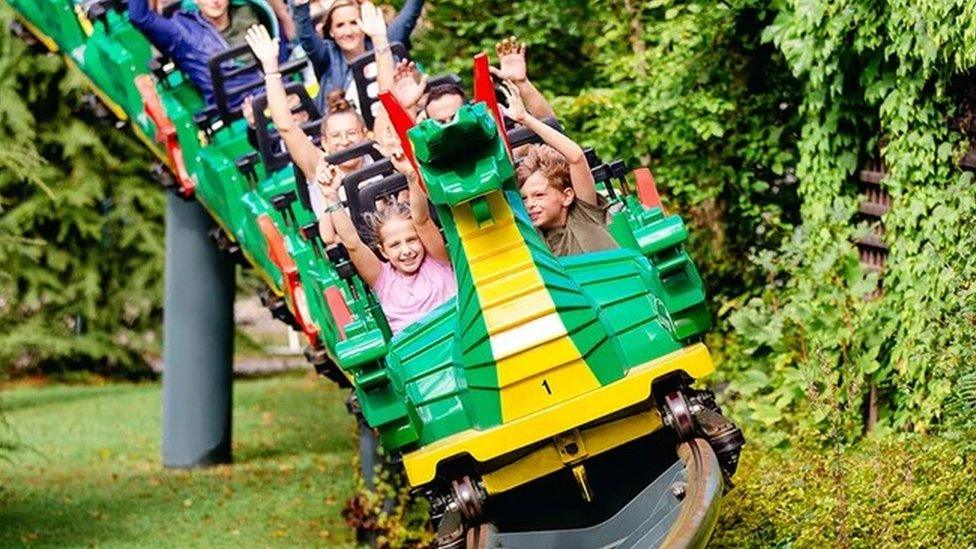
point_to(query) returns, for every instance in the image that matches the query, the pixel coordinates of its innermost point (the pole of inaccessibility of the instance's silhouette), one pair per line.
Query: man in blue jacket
(191, 38)
(344, 40)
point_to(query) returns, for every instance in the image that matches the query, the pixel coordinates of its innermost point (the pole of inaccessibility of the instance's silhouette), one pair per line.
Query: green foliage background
(755, 117)
(81, 234)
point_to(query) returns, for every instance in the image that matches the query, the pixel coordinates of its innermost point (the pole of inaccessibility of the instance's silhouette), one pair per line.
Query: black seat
(524, 136)
(273, 153)
(381, 167)
(234, 62)
(96, 10)
(363, 82)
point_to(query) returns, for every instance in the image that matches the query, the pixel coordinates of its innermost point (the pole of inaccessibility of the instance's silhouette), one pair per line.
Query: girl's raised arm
(303, 152)
(427, 230)
(367, 264)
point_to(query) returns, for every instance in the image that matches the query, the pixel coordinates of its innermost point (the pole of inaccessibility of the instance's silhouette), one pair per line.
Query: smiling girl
(417, 276)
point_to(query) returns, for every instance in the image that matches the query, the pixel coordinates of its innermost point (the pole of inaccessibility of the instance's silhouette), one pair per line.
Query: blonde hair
(327, 18)
(547, 161)
(375, 220)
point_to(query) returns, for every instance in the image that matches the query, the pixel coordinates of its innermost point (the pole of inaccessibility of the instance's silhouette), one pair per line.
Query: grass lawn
(89, 472)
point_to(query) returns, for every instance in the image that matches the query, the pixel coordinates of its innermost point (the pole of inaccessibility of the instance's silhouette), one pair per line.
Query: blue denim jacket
(190, 41)
(326, 56)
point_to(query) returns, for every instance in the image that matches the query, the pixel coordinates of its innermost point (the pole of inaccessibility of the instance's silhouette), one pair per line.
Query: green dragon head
(464, 159)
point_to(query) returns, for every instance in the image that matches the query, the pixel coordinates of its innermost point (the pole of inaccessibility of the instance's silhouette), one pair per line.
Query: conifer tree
(81, 237)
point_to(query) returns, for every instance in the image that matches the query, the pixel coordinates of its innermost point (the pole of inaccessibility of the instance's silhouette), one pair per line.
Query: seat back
(364, 75)
(272, 149)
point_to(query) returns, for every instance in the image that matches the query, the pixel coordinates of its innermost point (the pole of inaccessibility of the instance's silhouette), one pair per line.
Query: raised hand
(264, 47)
(328, 177)
(387, 141)
(408, 84)
(402, 164)
(511, 58)
(515, 109)
(371, 20)
(247, 110)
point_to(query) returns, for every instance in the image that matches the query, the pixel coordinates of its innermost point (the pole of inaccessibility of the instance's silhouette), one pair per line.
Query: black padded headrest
(273, 153)
(363, 82)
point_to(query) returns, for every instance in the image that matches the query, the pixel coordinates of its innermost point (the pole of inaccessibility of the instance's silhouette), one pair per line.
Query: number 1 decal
(546, 385)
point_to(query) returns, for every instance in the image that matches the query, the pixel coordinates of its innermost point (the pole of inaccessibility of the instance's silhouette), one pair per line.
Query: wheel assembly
(694, 413)
(278, 307)
(457, 512)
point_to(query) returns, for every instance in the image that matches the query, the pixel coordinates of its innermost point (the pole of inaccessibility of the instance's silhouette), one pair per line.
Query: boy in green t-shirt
(558, 188)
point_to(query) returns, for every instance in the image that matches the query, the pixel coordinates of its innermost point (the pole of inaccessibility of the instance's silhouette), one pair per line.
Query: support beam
(198, 341)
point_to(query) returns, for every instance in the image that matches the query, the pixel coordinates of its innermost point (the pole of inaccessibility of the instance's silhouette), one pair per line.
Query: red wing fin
(647, 189)
(484, 90)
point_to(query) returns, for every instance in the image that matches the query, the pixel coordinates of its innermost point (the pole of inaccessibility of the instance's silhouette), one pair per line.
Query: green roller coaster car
(542, 370)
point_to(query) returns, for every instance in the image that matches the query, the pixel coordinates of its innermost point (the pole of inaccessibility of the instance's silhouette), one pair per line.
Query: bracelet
(379, 50)
(275, 74)
(333, 208)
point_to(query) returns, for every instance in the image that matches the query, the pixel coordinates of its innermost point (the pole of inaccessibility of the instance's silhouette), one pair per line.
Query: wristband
(333, 208)
(379, 50)
(275, 74)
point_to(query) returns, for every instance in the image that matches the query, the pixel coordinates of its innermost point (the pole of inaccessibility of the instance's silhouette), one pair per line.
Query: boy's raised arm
(579, 170)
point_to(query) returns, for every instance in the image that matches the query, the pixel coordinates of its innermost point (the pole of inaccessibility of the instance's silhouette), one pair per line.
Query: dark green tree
(80, 226)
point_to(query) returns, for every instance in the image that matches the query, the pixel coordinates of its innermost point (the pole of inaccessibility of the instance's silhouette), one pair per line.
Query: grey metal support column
(198, 341)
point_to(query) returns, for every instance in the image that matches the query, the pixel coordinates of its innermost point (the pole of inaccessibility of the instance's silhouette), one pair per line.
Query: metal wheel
(677, 415)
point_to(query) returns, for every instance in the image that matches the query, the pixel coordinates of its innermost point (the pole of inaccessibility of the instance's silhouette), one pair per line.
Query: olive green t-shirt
(585, 230)
(241, 19)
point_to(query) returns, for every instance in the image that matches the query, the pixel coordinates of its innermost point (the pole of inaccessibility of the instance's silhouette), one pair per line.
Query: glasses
(350, 135)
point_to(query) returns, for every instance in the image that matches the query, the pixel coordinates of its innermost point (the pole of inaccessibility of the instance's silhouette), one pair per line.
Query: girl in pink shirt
(417, 276)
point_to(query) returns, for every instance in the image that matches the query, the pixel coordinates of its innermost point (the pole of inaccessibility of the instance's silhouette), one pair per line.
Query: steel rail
(702, 496)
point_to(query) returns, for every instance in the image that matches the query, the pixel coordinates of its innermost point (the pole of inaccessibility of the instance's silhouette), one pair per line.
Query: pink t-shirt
(406, 298)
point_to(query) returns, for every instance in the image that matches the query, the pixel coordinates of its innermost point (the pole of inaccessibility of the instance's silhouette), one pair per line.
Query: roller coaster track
(679, 508)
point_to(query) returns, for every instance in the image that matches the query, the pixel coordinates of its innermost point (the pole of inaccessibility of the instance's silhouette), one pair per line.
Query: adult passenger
(345, 41)
(191, 38)
(342, 127)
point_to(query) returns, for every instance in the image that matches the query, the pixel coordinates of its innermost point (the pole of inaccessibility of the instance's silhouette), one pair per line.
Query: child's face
(401, 246)
(548, 207)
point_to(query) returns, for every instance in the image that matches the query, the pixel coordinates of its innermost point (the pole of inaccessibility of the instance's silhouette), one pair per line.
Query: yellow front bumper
(482, 446)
